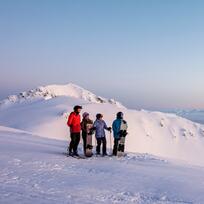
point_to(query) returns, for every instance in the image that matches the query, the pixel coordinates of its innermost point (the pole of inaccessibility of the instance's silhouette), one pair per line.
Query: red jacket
(74, 122)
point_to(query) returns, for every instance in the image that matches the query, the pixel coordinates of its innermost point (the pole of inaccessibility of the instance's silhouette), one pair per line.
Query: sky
(145, 53)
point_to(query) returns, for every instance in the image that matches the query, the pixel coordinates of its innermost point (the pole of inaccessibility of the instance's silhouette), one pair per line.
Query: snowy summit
(52, 91)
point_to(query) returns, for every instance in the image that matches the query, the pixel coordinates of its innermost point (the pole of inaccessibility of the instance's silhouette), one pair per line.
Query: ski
(74, 156)
(78, 157)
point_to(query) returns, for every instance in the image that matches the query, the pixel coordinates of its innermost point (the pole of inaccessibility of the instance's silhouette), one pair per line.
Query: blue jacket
(116, 128)
(118, 125)
(100, 127)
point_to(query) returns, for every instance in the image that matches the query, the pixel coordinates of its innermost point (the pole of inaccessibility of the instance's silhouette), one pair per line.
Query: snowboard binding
(89, 146)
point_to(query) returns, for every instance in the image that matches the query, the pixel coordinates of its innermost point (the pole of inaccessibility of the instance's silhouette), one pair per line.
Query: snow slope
(34, 170)
(161, 134)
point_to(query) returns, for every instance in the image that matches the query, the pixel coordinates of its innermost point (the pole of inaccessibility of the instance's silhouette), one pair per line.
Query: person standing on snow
(86, 126)
(74, 122)
(117, 131)
(100, 127)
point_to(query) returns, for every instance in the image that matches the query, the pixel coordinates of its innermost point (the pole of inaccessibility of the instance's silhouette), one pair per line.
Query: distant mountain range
(195, 115)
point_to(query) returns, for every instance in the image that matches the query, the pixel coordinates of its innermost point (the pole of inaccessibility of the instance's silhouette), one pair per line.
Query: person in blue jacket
(117, 132)
(100, 127)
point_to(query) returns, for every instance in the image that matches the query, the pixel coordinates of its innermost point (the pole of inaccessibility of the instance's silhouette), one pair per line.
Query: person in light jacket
(100, 127)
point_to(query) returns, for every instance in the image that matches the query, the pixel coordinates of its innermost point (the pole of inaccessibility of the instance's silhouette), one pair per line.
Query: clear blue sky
(145, 53)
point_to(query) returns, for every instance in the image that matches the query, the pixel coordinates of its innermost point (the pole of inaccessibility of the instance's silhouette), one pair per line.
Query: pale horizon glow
(146, 54)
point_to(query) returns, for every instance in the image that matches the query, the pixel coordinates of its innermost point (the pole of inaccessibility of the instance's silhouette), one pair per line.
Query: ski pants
(75, 139)
(115, 147)
(84, 137)
(98, 147)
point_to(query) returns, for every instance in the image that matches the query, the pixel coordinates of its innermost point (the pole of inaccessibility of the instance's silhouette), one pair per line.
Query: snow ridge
(52, 91)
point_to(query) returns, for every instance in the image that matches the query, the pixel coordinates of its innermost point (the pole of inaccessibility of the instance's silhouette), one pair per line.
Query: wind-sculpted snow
(35, 170)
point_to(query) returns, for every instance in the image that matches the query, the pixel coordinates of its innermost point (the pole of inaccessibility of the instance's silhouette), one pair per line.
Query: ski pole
(110, 143)
(95, 143)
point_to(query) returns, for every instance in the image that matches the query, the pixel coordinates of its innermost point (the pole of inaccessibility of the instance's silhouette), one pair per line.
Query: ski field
(34, 170)
(164, 162)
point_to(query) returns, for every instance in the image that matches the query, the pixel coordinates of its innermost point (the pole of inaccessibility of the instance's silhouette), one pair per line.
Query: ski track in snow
(34, 170)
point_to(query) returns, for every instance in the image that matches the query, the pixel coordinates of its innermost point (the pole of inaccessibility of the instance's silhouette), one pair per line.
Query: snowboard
(89, 146)
(121, 142)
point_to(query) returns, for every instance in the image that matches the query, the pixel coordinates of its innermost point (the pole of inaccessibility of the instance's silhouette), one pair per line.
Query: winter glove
(91, 132)
(109, 129)
(122, 133)
(125, 133)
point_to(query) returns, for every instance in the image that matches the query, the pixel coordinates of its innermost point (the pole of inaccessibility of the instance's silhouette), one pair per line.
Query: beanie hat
(77, 107)
(119, 115)
(99, 115)
(85, 114)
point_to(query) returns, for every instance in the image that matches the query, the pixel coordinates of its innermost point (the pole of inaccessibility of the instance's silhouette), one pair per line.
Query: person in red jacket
(74, 122)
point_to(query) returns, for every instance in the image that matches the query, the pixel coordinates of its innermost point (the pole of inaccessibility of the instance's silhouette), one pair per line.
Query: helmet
(77, 107)
(120, 115)
(99, 115)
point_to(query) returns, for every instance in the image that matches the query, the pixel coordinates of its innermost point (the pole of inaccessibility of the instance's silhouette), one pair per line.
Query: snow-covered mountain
(52, 91)
(44, 112)
(35, 170)
(196, 115)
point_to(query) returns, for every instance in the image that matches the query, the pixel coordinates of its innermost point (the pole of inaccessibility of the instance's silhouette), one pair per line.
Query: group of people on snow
(88, 127)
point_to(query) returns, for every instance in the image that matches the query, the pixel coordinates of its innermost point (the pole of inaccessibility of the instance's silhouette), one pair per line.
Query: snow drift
(43, 111)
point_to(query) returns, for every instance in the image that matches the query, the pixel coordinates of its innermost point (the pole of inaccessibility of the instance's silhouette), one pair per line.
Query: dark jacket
(86, 125)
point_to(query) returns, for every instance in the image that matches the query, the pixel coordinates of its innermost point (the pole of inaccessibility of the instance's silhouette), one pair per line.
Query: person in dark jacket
(117, 132)
(74, 122)
(100, 127)
(86, 126)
